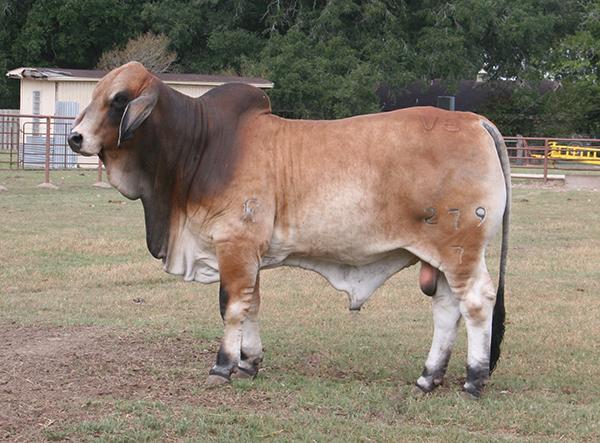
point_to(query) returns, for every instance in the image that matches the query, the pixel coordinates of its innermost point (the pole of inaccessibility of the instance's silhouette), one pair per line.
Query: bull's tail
(499, 311)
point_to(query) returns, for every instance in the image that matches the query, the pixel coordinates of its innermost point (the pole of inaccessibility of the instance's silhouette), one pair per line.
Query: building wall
(47, 96)
(80, 92)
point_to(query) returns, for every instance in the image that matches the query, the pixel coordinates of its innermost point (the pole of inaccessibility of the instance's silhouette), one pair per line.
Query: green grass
(77, 256)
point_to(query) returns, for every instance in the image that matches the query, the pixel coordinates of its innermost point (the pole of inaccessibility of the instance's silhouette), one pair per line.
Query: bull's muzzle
(75, 140)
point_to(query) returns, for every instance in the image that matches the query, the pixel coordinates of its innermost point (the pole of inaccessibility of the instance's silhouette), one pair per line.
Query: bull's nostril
(75, 140)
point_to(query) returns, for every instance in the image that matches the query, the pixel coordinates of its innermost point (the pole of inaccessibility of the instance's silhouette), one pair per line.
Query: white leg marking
(446, 317)
(477, 308)
(229, 354)
(232, 336)
(251, 343)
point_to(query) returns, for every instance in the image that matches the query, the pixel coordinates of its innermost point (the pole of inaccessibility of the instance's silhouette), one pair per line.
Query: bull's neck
(181, 124)
(168, 151)
(190, 152)
(175, 141)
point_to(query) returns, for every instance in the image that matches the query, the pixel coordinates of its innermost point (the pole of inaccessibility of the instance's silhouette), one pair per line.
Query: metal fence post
(545, 160)
(47, 183)
(20, 143)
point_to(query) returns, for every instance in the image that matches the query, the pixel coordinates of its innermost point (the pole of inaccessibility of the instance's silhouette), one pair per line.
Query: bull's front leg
(239, 301)
(252, 351)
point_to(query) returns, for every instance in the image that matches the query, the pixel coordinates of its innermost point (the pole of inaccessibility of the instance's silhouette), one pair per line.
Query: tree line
(329, 59)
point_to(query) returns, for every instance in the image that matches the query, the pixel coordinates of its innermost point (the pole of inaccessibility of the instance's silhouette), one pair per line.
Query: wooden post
(521, 143)
(545, 160)
(10, 143)
(47, 159)
(47, 183)
(100, 183)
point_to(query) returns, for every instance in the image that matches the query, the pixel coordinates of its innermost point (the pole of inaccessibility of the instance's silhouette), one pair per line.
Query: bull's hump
(239, 98)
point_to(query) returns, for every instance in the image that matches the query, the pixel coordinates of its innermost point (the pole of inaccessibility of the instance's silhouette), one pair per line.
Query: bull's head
(121, 102)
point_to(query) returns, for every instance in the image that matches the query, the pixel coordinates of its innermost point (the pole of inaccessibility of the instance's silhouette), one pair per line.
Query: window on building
(36, 111)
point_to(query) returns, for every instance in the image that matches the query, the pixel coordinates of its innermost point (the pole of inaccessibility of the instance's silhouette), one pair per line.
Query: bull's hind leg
(477, 296)
(446, 317)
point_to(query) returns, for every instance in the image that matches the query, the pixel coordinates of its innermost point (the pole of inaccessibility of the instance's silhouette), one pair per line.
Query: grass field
(98, 344)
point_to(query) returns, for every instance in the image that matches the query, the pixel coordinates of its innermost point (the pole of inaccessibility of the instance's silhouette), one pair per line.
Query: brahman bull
(228, 189)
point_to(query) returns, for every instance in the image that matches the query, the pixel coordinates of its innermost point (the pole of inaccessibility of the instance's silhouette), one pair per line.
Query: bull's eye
(119, 101)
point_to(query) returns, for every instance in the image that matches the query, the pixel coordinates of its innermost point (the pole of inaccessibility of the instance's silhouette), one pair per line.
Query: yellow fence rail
(579, 154)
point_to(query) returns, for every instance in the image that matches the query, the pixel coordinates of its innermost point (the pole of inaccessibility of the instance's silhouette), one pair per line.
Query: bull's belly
(358, 281)
(358, 273)
(347, 263)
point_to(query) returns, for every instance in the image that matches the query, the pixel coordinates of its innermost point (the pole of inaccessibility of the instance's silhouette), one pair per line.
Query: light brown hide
(352, 190)
(346, 191)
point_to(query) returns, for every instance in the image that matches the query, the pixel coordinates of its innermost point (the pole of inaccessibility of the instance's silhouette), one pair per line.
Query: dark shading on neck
(188, 151)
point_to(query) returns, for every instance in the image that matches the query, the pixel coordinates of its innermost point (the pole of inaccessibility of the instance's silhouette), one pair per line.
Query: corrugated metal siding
(67, 108)
(72, 108)
(34, 146)
(62, 153)
(80, 92)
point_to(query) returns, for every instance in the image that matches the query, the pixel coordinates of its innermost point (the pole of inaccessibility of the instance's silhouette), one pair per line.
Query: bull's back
(365, 185)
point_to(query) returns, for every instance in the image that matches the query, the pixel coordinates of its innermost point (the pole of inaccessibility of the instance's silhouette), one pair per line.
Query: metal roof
(64, 74)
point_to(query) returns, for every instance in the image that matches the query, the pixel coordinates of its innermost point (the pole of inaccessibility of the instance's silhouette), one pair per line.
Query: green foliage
(328, 58)
(72, 33)
(200, 30)
(64, 33)
(12, 15)
(317, 79)
(573, 110)
(229, 48)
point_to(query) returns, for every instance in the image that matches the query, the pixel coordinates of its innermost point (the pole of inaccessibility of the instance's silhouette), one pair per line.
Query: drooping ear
(136, 112)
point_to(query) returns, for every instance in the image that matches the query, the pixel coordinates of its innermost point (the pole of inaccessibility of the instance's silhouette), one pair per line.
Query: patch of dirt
(530, 184)
(583, 182)
(50, 375)
(572, 182)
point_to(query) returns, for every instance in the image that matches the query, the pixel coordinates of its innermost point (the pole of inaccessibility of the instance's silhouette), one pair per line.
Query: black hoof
(216, 380)
(471, 393)
(431, 379)
(245, 372)
(218, 373)
(420, 391)
(477, 378)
